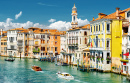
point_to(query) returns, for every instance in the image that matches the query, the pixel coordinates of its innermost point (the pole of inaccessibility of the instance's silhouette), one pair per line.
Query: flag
(91, 45)
(126, 54)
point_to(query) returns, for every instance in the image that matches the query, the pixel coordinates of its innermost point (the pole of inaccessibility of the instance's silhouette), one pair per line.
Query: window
(74, 18)
(55, 42)
(11, 39)
(12, 47)
(46, 53)
(128, 14)
(55, 37)
(102, 26)
(84, 54)
(91, 28)
(85, 33)
(129, 38)
(108, 43)
(79, 55)
(108, 27)
(108, 55)
(85, 40)
(99, 27)
(5, 43)
(1, 43)
(42, 48)
(55, 48)
(94, 28)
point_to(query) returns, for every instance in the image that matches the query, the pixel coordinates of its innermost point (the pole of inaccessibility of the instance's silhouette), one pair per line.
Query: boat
(58, 64)
(66, 76)
(65, 64)
(36, 68)
(11, 60)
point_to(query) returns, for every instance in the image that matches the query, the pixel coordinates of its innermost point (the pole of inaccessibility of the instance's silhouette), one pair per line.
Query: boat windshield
(37, 67)
(67, 75)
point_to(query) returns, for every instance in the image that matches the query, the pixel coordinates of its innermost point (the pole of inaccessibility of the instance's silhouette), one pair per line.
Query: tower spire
(74, 14)
(74, 4)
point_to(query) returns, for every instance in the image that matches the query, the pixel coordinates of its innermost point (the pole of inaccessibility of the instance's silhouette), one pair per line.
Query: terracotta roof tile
(113, 15)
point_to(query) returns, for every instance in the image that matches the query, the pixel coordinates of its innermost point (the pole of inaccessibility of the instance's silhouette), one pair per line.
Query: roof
(113, 15)
(17, 29)
(81, 27)
(24, 31)
(34, 28)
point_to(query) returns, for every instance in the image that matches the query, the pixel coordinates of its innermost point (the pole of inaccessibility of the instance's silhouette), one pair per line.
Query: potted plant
(98, 58)
(108, 58)
(102, 59)
(93, 57)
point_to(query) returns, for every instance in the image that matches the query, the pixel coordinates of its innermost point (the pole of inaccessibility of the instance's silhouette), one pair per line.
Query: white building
(125, 61)
(62, 45)
(12, 41)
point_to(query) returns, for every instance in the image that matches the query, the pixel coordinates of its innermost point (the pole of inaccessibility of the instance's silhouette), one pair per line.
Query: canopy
(126, 54)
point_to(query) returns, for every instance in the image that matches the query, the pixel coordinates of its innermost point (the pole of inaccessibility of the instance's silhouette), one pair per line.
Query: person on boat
(59, 72)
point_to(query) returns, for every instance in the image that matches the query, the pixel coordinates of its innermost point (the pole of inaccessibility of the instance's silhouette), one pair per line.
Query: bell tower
(74, 14)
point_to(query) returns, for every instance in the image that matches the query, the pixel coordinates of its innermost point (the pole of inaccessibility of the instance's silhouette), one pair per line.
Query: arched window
(74, 18)
(85, 40)
(85, 33)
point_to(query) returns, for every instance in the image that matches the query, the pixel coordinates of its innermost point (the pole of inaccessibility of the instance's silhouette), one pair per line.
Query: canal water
(20, 71)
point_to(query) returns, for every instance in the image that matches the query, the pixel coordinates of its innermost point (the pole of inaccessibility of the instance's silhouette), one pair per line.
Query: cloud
(18, 15)
(59, 25)
(63, 25)
(45, 4)
(52, 20)
(10, 25)
(82, 22)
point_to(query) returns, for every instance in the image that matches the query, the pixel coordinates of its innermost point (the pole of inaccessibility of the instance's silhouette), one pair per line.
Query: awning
(126, 54)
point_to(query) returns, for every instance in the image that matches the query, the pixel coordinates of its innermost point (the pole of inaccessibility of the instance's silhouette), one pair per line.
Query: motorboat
(58, 64)
(36, 68)
(66, 76)
(64, 64)
(11, 60)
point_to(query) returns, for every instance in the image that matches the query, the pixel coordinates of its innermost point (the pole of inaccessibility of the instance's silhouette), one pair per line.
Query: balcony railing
(20, 44)
(124, 60)
(108, 32)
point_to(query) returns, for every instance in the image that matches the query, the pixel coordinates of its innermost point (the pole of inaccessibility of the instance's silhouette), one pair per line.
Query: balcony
(20, 44)
(124, 60)
(37, 37)
(108, 32)
(36, 50)
(73, 44)
(107, 48)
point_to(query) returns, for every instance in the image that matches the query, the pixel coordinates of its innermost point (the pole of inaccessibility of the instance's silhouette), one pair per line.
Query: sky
(53, 14)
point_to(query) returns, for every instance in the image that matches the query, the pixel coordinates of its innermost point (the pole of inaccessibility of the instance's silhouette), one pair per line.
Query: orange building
(54, 44)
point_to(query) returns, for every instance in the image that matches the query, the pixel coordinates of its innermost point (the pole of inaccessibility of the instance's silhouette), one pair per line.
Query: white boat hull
(66, 77)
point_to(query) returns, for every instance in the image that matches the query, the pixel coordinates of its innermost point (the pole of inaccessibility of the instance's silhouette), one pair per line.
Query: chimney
(22, 27)
(99, 15)
(117, 12)
(93, 18)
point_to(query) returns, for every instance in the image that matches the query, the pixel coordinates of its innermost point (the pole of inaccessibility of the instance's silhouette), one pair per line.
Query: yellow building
(4, 46)
(106, 40)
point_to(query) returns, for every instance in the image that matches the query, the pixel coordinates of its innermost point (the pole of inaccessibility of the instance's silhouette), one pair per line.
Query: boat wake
(79, 81)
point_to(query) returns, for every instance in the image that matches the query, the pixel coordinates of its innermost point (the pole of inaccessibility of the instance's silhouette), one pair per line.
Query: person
(59, 72)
